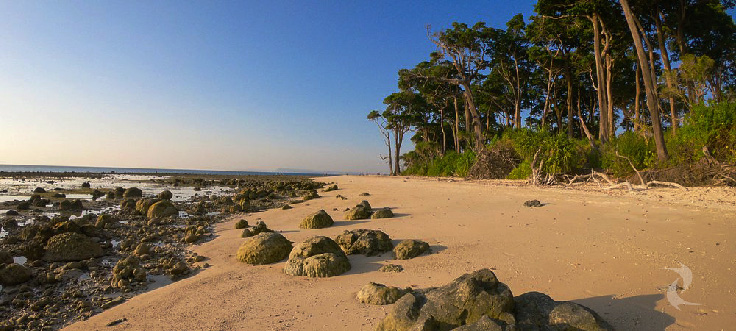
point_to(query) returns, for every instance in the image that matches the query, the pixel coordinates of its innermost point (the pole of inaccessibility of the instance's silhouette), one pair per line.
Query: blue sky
(219, 85)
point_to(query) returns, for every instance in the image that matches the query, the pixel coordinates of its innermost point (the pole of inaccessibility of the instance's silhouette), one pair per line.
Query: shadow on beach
(639, 310)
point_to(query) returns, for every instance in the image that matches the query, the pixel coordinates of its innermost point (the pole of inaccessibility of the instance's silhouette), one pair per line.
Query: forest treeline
(593, 84)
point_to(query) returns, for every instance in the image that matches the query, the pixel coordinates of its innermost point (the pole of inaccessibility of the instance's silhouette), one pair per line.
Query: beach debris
(165, 195)
(341, 197)
(259, 228)
(161, 209)
(318, 220)
(384, 212)
(264, 248)
(379, 294)
(241, 224)
(410, 248)
(133, 192)
(364, 241)
(533, 203)
(286, 207)
(364, 194)
(71, 246)
(391, 268)
(318, 256)
(14, 274)
(360, 211)
(478, 301)
(117, 322)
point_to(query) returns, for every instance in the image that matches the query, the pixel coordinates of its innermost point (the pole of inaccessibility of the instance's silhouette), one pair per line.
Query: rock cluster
(360, 211)
(260, 227)
(478, 301)
(317, 257)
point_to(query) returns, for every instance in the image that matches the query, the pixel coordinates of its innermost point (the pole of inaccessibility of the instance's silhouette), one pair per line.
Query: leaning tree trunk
(667, 68)
(600, 75)
(475, 122)
(456, 132)
(649, 82)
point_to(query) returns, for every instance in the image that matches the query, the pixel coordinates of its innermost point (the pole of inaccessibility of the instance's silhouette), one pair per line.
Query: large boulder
(410, 248)
(264, 248)
(537, 311)
(383, 213)
(132, 192)
(163, 208)
(126, 271)
(318, 220)
(363, 241)
(71, 246)
(5, 257)
(379, 294)
(360, 211)
(317, 257)
(464, 301)
(14, 274)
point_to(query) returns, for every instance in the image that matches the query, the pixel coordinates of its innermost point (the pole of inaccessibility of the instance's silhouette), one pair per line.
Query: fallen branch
(632, 167)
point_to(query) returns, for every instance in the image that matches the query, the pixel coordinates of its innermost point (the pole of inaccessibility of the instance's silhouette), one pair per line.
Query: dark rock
(317, 220)
(286, 207)
(85, 185)
(14, 274)
(5, 257)
(359, 212)
(71, 205)
(537, 311)
(330, 188)
(96, 194)
(119, 192)
(364, 194)
(410, 248)
(71, 246)
(132, 192)
(25, 205)
(11, 213)
(264, 248)
(165, 195)
(312, 194)
(110, 195)
(317, 257)
(127, 205)
(39, 190)
(126, 271)
(533, 203)
(59, 195)
(383, 213)
(143, 205)
(379, 294)
(363, 241)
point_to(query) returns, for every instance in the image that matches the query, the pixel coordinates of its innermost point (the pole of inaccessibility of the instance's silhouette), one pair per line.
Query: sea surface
(73, 169)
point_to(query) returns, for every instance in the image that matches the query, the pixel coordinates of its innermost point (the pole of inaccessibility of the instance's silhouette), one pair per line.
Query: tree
(382, 124)
(401, 114)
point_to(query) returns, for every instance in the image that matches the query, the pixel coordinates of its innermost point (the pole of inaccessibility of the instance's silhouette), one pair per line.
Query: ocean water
(72, 169)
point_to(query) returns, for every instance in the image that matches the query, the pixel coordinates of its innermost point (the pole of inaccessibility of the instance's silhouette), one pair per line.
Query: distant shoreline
(69, 170)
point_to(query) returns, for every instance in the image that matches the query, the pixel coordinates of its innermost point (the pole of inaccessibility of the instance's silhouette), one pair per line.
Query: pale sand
(606, 250)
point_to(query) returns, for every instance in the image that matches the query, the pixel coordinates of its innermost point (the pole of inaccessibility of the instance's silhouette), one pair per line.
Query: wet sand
(605, 249)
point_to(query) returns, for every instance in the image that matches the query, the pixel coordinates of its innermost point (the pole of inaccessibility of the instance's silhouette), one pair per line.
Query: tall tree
(382, 124)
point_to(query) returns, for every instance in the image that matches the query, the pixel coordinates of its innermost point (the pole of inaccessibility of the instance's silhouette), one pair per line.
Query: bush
(452, 164)
(711, 126)
(630, 145)
(560, 154)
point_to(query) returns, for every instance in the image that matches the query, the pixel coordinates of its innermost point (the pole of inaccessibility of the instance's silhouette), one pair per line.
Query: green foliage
(630, 145)
(452, 164)
(560, 154)
(711, 126)
(523, 171)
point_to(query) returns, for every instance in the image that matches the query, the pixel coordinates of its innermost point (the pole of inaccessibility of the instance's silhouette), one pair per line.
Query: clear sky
(223, 85)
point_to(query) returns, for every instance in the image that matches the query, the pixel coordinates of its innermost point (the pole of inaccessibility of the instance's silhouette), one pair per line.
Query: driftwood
(644, 184)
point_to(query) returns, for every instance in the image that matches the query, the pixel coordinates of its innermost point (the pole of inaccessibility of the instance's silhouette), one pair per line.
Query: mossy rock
(264, 248)
(410, 248)
(383, 213)
(358, 212)
(71, 246)
(318, 220)
(318, 256)
(143, 205)
(5, 257)
(241, 224)
(132, 192)
(379, 294)
(161, 209)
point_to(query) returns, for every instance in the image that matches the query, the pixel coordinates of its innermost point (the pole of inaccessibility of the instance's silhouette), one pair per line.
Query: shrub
(630, 145)
(711, 126)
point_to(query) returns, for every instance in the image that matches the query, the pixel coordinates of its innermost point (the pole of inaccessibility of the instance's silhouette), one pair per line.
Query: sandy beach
(607, 250)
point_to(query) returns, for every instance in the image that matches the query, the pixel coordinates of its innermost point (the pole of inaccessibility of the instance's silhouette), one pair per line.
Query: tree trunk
(517, 96)
(398, 138)
(609, 96)
(667, 69)
(390, 157)
(457, 125)
(649, 82)
(568, 73)
(442, 127)
(475, 122)
(600, 75)
(637, 101)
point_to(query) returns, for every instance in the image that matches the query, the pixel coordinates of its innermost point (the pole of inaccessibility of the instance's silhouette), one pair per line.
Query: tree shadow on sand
(632, 313)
